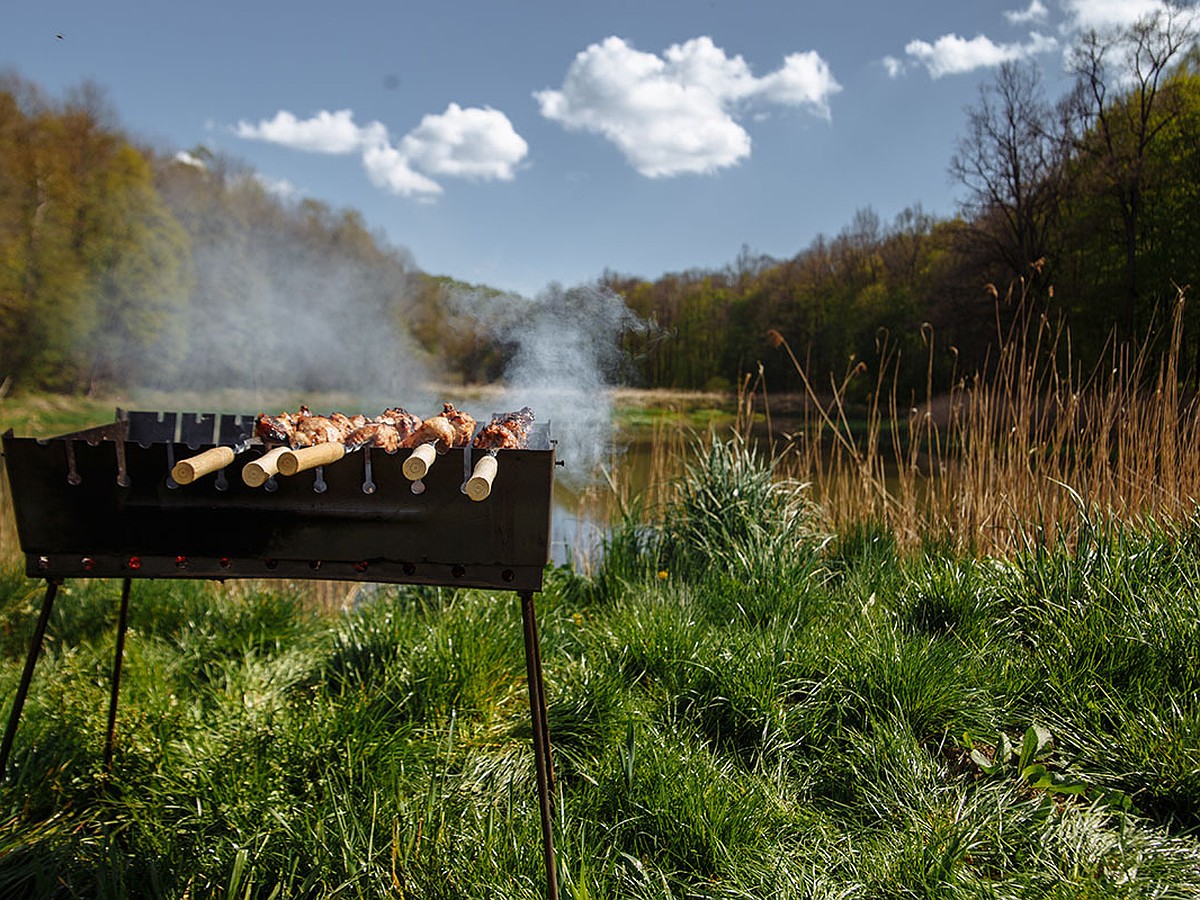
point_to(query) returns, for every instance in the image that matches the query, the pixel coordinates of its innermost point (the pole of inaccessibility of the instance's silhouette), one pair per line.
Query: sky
(520, 143)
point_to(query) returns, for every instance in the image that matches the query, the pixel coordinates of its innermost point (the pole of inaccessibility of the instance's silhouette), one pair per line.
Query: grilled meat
(462, 423)
(453, 428)
(312, 430)
(506, 431)
(376, 434)
(275, 429)
(391, 430)
(435, 430)
(405, 423)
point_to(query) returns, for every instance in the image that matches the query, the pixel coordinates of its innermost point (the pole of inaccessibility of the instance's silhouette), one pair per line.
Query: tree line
(122, 264)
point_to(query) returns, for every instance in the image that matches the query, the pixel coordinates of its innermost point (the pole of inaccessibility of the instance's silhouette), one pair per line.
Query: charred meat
(506, 431)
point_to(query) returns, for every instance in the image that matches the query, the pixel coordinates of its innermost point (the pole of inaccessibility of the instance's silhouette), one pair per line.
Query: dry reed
(1030, 451)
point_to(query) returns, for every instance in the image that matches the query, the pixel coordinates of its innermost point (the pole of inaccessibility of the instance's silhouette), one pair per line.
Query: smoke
(565, 355)
(295, 301)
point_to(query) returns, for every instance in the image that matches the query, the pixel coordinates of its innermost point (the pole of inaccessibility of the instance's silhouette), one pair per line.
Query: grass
(843, 719)
(1009, 457)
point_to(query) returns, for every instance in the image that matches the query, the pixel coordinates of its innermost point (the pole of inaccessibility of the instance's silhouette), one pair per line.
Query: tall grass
(1012, 455)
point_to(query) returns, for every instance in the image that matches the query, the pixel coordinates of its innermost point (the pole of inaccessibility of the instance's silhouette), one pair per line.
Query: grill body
(101, 503)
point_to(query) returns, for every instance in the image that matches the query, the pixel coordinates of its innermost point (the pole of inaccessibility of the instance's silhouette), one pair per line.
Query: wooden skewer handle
(188, 470)
(293, 461)
(479, 485)
(418, 464)
(256, 472)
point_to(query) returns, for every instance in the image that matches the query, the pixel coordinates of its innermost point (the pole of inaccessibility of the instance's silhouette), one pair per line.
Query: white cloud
(1035, 12)
(466, 143)
(954, 55)
(389, 169)
(469, 143)
(893, 66)
(675, 114)
(1104, 14)
(325, 132)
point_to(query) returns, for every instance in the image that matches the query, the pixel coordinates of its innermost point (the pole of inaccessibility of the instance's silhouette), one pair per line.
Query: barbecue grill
(107, 502)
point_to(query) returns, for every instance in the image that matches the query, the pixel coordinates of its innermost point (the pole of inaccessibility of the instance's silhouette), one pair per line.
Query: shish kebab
(506, 431)
(319, 440)
(303, 441)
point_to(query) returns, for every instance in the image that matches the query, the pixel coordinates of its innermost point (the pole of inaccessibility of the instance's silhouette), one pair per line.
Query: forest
(124, 265)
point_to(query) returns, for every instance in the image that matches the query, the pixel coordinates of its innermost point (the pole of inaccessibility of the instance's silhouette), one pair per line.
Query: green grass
(739, 706)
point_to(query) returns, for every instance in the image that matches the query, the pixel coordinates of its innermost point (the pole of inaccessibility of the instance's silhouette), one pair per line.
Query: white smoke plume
(565, 357)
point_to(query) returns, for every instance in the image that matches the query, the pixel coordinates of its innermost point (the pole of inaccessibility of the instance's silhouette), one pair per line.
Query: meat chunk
(506, 431)
(275, 429)
(312, 430)
(462, 423)
(405, 423)
(375, 434)
(453, 428)
(435, 430)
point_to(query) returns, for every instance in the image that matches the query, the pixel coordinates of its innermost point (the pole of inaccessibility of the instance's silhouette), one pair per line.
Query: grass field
(740, 706)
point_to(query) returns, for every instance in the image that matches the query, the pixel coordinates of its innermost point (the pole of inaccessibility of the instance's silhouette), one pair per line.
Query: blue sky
(519, 143)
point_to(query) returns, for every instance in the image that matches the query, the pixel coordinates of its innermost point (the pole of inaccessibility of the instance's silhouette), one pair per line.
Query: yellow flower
(663, 574)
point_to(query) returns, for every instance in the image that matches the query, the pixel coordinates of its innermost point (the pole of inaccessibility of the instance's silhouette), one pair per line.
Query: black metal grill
(101, 503)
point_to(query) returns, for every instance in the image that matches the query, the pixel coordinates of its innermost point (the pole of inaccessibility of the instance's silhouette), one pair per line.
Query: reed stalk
(1030, 450)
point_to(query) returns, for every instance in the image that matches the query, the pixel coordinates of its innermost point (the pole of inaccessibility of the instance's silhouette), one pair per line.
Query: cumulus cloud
(893, 66)
(1104, 14)
(676, 114)
(468, 143)
(389, 169)
(1035, 12)
(954, 55)
(326, 132)
(474, 143)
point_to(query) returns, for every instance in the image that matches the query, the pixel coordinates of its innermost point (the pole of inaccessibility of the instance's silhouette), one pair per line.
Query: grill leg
(35, 647)
(541, 739)
(122, 626)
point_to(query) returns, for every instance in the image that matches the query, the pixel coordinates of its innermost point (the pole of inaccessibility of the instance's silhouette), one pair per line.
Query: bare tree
(1011, 163)
(1121, 109)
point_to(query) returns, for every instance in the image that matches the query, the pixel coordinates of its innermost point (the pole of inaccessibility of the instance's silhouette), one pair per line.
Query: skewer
(479, 485)
(256, 472)
(292, 461)
(419, 462)
(188, 470)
